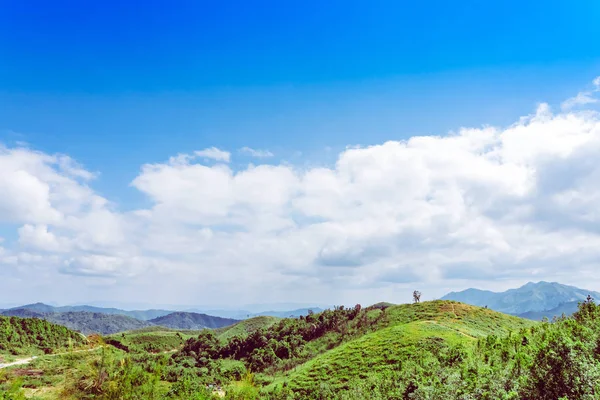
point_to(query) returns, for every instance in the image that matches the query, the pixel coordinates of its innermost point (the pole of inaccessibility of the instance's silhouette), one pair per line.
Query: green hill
(440, 350)
(246, 327)
(567, 309)
(152, 339)
(471, 320)
(32, 335)
(403, 331)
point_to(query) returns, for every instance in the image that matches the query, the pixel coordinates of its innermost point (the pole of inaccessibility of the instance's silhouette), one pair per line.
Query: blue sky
(116, 86)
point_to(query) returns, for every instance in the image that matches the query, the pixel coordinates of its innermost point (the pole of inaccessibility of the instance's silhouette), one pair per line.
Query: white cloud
(96, 265)
(256, 153)
(482, 204)
(38, 238)
(214, 154)
(581, 99)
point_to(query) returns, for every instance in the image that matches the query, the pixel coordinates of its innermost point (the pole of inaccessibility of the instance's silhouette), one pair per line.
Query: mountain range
(143, 315)
(88, 322)
(91, 319)
(532, 300)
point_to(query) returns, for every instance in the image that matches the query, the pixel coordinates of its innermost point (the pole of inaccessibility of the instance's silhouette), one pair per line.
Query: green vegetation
(431, 350)
(151, 340)
(244, 328)
(440, 360)
(34, 336)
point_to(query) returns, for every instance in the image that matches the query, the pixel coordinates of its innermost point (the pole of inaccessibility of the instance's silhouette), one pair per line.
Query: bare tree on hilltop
(416, 296)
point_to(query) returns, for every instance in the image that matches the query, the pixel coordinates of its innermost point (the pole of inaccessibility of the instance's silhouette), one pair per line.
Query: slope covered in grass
(153, 340)
(471, 320)
(246, 327)
(403, 333)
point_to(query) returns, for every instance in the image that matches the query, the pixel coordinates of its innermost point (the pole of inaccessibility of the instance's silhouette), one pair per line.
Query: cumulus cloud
(38, 238)
(256, 153)
(214, 154)
(482, 204)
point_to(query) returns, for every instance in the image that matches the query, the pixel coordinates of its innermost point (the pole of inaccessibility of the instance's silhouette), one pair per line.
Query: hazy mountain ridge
(83, 321)
(189, 320)
(152, 313)
(287, 314)
(245, 314)
(566, 308)
(532, 300)
(106, 323)
(143, 315)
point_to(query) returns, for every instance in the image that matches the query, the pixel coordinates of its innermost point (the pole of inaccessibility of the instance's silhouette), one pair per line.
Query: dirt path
(24, 361)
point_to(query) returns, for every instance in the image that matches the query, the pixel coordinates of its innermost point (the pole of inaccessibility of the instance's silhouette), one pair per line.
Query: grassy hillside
(246, 327)
(33, 336)
(471, 320)
(402, 332)
(435, 350)
(153, 340)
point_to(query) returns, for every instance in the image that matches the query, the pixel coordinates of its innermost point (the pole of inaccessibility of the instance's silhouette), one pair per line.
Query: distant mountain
(23, 313)
(106, 324)
(190, 320)
(105, 320)
(83, 321)
(233, 314)
(530, 298)
(244, 314)
(566, 308)
(37, 307)
(287, 314)
(89, 322)
(146, 315)
(143, 315)
(138, 314)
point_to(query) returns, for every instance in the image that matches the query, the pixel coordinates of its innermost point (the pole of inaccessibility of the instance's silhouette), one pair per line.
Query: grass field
(386, 340)
(154, 340)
